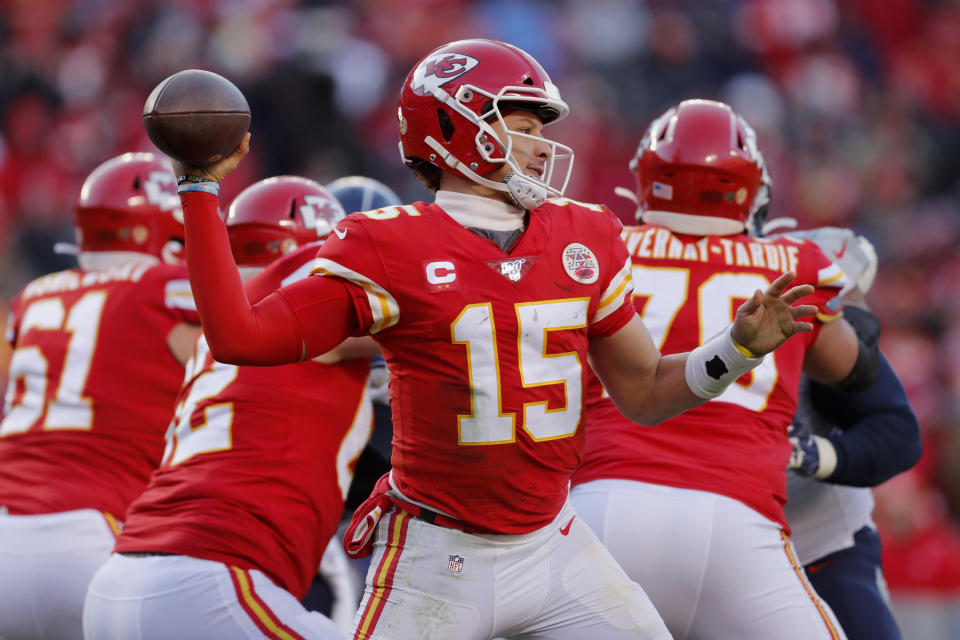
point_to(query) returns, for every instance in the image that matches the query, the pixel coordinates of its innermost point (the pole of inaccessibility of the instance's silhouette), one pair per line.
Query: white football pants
(431, 582)
(712, 566)
(46, 563)
(165, 597)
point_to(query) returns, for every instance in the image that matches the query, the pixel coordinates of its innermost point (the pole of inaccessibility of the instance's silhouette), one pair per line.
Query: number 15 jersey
(487, 350)
(687, 289)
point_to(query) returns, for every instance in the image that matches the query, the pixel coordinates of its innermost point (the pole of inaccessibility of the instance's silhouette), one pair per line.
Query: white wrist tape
(828, 457)
(711, 367)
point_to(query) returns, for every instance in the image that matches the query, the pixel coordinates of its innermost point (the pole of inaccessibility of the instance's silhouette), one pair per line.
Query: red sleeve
(615, 306)
(324, 312)
(827, 280)
(258, 287)
(275, 330)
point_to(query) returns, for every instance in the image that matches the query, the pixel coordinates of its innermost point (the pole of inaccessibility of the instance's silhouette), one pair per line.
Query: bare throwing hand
(767, 319)
(218, 170)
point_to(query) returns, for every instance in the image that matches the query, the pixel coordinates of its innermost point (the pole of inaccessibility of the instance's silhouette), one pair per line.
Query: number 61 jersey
(92, 386)
(687, 289)
(487, 350)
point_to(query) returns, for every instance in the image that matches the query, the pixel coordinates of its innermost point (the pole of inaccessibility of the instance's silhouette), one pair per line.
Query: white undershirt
(480, 212)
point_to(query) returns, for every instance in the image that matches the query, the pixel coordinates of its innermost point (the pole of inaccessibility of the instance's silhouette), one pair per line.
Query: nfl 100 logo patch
(455, 565)
(514, 268)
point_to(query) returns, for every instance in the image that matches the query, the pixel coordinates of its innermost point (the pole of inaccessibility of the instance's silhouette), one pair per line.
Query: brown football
(196, 117)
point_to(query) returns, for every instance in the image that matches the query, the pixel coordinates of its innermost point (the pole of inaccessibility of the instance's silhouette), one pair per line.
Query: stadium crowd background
(856, 103)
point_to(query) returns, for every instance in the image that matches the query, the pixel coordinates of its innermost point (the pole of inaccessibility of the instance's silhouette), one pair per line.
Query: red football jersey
(486, 349)
(258, 459)
(687, 289)
(92, 386)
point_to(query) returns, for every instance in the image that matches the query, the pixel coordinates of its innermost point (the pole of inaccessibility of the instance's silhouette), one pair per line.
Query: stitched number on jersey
(68, 408)
(487, 422)
(214, 434)
(668, 290)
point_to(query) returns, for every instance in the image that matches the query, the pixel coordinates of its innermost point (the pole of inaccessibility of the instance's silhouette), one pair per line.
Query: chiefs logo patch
(580, 263)
(439, 69)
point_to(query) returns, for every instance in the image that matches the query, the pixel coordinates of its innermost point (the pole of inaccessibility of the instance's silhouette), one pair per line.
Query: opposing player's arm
(846, 350)
(878, 435)
(649, 388)
(833, 354)
(180, 340)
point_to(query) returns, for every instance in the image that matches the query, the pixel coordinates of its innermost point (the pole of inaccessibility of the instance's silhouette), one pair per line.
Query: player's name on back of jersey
(72, 280)
(763, 253)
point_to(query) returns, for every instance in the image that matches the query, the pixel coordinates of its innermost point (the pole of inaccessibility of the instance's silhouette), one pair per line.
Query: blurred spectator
(856, 102)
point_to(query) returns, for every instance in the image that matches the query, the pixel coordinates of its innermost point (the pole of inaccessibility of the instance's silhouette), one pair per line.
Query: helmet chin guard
(524, 191)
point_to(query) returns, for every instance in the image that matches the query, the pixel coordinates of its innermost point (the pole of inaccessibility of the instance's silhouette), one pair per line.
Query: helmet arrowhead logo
(160, 187)
(438, 69)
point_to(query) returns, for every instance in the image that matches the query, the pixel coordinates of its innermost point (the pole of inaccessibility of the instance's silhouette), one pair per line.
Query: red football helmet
(275, 216)
(130, 203)
(451, 97)
(699, 170)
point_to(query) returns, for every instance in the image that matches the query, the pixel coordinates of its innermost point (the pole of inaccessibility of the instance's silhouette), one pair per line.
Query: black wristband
(188, 177)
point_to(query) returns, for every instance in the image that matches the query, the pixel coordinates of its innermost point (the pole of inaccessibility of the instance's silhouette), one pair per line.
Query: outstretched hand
(768, 318)
(218, 170)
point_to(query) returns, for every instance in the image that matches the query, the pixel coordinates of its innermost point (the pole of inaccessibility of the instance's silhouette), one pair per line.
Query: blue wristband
(213, 188)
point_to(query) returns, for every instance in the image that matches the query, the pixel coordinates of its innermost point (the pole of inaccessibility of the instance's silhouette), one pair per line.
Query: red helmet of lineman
(699, 170)
(453, 95)
(130, 204)
(275, 216)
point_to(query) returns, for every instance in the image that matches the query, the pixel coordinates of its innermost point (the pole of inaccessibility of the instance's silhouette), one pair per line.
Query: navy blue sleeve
(878, 434)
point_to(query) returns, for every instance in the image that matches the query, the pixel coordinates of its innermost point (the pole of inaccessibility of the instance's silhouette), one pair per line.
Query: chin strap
(525, 193)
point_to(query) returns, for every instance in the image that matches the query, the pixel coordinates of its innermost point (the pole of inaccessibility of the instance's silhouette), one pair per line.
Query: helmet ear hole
(446, 125)
(528, 80)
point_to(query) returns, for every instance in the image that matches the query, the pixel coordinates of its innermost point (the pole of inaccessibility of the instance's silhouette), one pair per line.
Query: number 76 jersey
(487, 350)
(687, 289)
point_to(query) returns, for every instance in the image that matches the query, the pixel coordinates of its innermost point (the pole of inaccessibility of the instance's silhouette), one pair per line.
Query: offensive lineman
(485, 303)
(98, 358)
(227, 537)
(693, 509)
